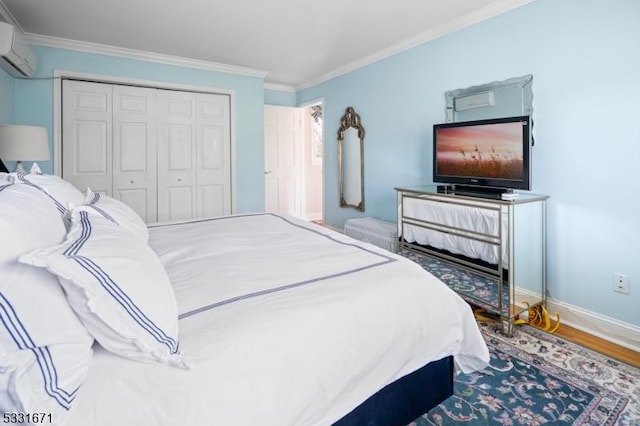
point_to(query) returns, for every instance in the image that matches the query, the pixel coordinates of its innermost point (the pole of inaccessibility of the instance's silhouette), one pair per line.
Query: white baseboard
(612, 330)
(615, 331)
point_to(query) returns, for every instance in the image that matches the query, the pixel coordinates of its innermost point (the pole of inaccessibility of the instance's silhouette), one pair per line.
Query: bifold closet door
(135, 149)
(194, 155)
(87, 147)
(176, 156)
(165, 153)
(109, 142)
(213, 145)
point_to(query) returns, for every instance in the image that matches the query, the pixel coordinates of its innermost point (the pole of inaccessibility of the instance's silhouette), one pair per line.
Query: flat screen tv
(486, 155)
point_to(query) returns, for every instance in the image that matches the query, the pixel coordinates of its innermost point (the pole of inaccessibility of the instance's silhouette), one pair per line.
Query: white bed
(281, 322)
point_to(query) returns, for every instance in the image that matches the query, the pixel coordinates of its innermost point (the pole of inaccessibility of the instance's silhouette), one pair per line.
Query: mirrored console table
(502, 242)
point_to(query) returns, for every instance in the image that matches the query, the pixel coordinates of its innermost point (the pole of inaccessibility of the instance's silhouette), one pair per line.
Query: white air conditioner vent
(16, 56)
(477, 100)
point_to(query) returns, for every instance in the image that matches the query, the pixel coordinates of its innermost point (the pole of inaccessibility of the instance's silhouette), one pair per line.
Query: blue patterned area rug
(475, 287)
(534, 377)
(537, 378)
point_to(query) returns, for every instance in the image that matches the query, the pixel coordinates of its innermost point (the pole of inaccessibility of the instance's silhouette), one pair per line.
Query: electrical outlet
(621, 283)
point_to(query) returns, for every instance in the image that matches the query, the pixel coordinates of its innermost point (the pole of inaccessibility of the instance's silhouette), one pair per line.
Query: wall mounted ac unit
(16, 56)
(477, 100)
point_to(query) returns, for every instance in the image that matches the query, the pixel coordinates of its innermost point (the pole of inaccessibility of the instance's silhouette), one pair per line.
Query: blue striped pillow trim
(23, 341)
(84, 236)
(62, 209)
(111, 287)
(92, 204)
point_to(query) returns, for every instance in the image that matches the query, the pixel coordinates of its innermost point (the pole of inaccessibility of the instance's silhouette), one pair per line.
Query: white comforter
(283, 323)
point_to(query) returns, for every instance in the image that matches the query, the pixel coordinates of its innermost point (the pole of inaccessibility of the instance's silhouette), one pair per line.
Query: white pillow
(116, 211)
(117, 286)
(28, 220)
(45, 351)
(61, 192)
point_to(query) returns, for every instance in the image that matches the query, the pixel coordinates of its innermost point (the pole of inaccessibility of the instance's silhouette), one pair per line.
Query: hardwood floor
(594, 343)
(599, 345)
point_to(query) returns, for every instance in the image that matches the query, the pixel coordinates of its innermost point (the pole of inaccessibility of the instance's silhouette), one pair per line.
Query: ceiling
(296, 43)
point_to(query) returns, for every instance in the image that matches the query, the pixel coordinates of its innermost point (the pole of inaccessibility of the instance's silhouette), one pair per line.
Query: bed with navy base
(245, 319)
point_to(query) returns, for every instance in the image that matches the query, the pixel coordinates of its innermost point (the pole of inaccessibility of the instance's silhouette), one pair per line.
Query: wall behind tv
(587, 154)
(34, 105)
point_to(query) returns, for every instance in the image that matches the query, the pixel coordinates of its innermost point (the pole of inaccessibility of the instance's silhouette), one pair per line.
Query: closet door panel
(181, 200)
(132, 146)
(176, 156)
(87, 135)
(214, 155)
(180, 141)
(91, 152)
(135, 149)
(137, 199)
(211, 199)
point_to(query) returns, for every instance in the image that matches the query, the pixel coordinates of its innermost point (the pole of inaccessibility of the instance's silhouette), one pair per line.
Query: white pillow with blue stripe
(117, 212)
(45, 351)
(60, 192)
(118, 287)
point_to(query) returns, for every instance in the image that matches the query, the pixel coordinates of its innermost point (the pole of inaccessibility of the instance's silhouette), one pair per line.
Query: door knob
(266, 172)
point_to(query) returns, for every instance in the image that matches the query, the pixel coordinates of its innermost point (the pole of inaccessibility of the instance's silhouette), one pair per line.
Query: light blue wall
(6, 104)
(279, 97)
(583, 57)
(6, 98)
(34, 105)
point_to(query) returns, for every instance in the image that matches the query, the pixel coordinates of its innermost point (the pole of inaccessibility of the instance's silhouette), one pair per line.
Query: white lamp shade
(23, 143)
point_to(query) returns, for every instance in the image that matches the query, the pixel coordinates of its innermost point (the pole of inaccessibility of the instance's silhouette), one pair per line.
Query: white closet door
(176, 155)
(165, 153)
(135, 149)
(86, 135)
(213, 174)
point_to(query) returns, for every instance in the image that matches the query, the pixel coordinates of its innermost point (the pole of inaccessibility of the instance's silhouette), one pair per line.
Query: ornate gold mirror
(351, 160)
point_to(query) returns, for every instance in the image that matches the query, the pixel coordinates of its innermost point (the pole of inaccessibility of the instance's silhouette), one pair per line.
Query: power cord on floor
(537, 316)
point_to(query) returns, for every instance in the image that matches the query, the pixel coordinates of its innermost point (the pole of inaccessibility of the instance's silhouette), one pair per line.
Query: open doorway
(293, 160)
(313, 138)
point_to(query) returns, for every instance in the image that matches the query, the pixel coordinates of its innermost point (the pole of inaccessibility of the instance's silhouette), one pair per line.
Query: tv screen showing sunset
(486, 151)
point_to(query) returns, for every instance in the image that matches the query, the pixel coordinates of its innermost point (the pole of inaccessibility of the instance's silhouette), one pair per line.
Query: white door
(194, 155)
(282, 160)
(213, 137)
(177, 156)
(135, 149)
(86, 132)
(165, 153)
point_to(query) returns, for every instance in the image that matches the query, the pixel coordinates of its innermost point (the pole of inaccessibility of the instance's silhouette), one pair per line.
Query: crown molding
(489, 11)
(280, 87)
(7, 16)
(104, 49)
